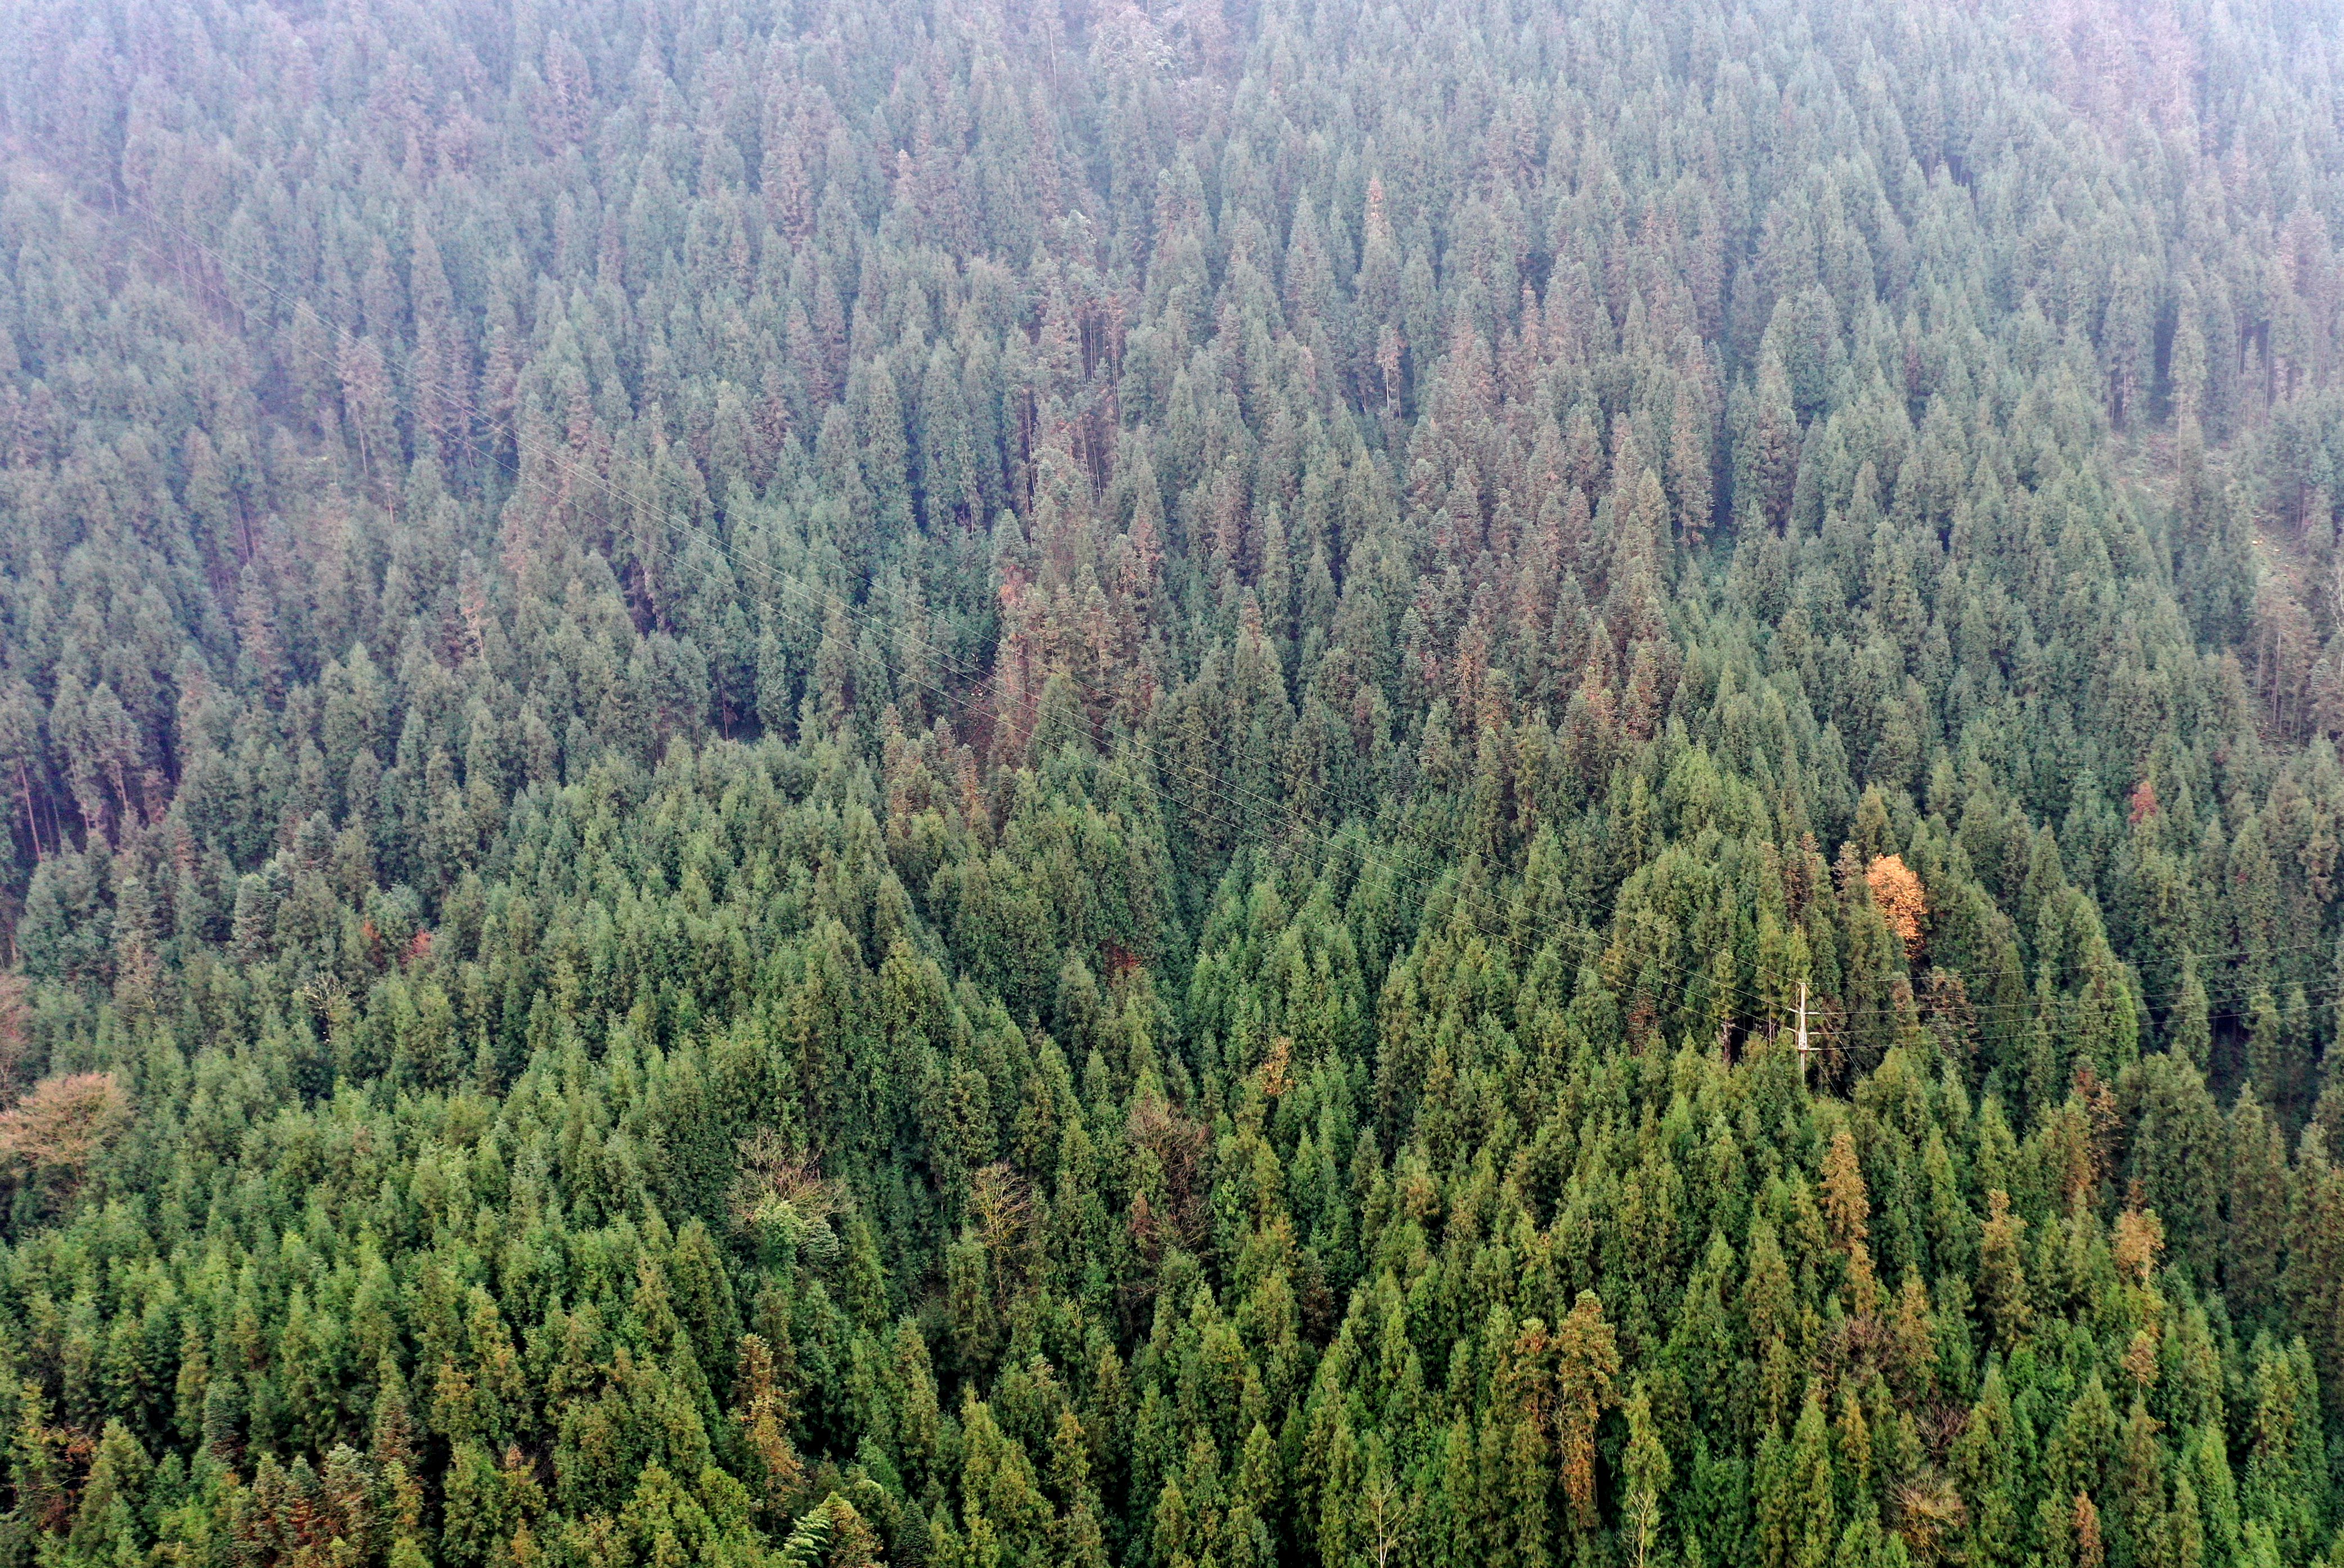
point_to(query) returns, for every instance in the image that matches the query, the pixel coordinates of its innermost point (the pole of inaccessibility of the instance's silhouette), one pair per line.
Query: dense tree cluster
(998, 782)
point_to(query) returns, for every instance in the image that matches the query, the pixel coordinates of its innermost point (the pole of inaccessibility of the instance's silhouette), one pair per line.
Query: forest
(1171, 783)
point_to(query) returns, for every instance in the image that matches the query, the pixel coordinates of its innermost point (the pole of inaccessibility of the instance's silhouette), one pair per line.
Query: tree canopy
(1186, 784)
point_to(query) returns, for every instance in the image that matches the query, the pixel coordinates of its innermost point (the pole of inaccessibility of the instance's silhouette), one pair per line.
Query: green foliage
(1223, 784)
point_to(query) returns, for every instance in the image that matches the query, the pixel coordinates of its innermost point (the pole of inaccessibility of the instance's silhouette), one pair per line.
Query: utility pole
(1805, 1048)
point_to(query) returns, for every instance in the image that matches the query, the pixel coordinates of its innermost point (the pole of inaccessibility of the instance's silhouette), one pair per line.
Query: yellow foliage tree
(66, 1121)
(1902, 902)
